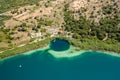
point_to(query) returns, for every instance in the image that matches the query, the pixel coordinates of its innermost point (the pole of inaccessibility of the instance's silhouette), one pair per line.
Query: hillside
(86, 21)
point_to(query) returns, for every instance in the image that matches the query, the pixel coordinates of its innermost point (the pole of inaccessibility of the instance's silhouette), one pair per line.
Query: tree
(43, 30)
(101, 35)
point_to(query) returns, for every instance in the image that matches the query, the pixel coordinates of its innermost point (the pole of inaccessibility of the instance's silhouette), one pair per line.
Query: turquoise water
(41, 65)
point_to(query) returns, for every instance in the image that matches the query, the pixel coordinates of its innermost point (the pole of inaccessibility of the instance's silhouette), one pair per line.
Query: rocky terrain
(23, 23)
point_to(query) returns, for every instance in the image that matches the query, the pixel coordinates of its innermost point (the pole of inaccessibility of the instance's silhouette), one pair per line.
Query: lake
(41, 65)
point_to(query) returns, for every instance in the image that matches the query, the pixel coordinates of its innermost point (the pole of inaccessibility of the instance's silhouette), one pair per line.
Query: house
(34, 35)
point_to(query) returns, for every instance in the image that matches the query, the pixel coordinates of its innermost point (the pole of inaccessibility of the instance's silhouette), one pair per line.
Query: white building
(34, 35)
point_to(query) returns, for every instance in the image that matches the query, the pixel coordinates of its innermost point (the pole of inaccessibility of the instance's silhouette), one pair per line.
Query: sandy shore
(67, 53)
(26, 53)
(109, 53)
(31, 52)
(71, 52)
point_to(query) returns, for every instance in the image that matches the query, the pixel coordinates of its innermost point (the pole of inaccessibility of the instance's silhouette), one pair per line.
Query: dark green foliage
(79, 27)
(22, 30)
(18, 50)
(110, 26)
(107, 9)
(85, 28)
(45, 22)
(101, 35)
(3, 17)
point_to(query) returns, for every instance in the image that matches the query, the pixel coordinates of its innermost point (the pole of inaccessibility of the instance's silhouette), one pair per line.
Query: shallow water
(41, 65)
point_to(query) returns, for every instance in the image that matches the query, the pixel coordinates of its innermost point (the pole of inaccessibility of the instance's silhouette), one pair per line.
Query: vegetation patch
(2, 18)
(6, 5)
(28, 47)
(91, 35)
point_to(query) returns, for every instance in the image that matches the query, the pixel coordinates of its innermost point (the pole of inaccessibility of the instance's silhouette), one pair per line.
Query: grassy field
(86, 44)
(28, 47)
(94, 44)
(97, 45)
(6, 5)
(2, 18)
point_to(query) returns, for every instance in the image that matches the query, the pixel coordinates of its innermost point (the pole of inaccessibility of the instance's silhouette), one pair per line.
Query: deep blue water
(59, 45)
(41, 65)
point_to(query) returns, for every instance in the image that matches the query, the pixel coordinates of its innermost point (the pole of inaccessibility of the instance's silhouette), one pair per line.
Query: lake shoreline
(61, 54)
(72, 52)
(75, 51)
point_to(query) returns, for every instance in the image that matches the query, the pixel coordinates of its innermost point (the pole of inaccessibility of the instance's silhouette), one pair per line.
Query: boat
(20, 66)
